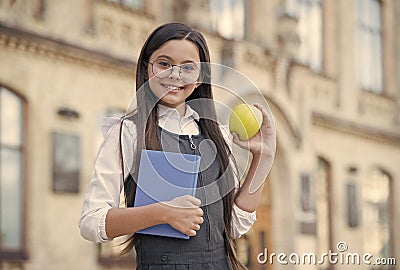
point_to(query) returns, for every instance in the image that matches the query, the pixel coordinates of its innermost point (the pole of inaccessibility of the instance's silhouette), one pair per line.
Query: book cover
(164, 176)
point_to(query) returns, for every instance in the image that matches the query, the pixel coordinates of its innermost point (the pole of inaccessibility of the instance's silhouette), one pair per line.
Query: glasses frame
(172, 70)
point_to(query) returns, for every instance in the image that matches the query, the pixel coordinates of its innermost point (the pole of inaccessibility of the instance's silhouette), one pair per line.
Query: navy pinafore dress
(207, 249)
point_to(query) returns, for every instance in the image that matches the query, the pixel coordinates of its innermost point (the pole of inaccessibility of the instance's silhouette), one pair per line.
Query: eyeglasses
(189, 72)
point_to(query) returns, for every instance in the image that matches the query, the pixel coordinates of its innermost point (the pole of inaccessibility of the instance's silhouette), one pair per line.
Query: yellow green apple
(245, 120)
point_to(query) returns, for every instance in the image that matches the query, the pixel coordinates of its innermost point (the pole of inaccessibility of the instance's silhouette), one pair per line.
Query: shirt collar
(165, 111)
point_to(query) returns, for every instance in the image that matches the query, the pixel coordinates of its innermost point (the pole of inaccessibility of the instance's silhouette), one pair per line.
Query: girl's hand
(184, 214)
(264, 142)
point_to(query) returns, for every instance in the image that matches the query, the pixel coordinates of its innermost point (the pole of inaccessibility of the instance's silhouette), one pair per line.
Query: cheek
(149, 72)
(152, 80)
(154, 87)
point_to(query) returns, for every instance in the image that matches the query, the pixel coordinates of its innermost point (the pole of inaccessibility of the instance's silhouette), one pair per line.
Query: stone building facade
(329, 70)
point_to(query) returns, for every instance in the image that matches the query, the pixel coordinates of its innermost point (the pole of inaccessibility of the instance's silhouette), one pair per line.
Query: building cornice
(356, 129)
(35, 43)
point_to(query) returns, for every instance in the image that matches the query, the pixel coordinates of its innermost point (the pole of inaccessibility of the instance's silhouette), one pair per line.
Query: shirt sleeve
(106, 184)
(242, 220)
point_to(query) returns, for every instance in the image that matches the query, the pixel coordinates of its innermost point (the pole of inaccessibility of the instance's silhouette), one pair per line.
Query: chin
(171, 102)
(175, 98)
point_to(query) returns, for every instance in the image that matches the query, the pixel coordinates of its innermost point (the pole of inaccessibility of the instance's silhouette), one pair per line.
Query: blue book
(164, 176)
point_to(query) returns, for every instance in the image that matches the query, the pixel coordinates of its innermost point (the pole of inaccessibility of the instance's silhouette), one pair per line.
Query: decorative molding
(261, 60)
(356, 129)
(378, 105)
(280, 114)
(23, 40)
(324, 93)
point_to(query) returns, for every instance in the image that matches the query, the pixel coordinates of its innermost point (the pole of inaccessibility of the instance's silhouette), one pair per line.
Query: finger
(193, 200)
(199, 213)
(196, 227)
(200, 220)
(191, 233)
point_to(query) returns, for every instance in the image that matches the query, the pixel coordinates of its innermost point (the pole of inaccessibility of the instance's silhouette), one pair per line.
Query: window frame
(20, 254)
(292, 10)
(323, 162)
(360, 28)
(215, 22)
(62, 184)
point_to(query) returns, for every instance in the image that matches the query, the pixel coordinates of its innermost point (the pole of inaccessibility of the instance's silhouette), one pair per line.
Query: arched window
(11, 174)
(376, 213)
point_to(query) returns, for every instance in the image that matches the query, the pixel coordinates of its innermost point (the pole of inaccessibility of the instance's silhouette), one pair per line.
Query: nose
(175, 73)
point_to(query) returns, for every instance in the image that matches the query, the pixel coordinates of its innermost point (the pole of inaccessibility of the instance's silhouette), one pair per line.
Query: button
(164, 258)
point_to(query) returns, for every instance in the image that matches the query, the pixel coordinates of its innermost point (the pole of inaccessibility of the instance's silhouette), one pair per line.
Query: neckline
(179, 135)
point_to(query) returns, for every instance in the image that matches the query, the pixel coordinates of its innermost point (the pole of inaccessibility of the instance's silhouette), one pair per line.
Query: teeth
(170, 87)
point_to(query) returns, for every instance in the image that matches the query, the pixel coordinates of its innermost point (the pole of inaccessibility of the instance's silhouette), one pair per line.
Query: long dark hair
(145, 117)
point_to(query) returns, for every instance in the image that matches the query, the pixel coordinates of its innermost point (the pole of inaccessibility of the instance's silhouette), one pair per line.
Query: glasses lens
(189, 72)
(162, 69)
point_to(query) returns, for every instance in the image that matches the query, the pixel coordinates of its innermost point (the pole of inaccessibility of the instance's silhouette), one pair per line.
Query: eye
(188, 68)
(163, 64)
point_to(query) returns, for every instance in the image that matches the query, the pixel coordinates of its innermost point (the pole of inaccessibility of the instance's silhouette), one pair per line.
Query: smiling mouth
(173, 88)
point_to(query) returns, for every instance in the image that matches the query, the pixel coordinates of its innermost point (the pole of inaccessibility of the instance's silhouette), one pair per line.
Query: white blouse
(106, 185)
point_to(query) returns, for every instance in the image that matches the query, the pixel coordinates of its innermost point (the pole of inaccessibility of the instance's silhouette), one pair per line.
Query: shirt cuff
(102, 228)
(241, 221)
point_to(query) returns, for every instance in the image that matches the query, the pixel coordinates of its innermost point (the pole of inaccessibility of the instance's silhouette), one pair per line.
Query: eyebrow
(172, 60)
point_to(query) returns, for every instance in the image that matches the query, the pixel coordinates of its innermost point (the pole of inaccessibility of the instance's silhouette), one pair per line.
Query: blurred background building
(329, 69)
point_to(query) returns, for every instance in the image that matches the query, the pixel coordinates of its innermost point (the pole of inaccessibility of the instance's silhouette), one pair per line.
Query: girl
(168, 79)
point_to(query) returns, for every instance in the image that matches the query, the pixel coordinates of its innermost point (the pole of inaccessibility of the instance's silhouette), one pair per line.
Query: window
(135, 4)
(369, 45)
(263, 245)
(309, 16)
(307, 203)
(66, 162)
(11, 173)
(322, 192)
(376, 214)
(352, 205)
(228, 17)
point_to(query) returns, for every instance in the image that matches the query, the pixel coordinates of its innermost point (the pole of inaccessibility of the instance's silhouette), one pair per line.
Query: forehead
(178, 50)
